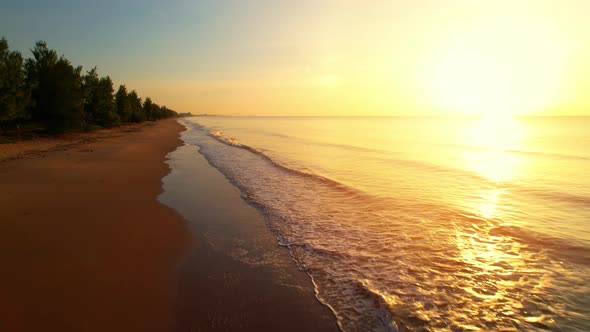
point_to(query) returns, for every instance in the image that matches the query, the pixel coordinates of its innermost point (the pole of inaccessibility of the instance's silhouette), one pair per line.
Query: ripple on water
(386, 264)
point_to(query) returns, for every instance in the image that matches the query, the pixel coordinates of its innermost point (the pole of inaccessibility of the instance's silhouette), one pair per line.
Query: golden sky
(338, 57)
(405, 57)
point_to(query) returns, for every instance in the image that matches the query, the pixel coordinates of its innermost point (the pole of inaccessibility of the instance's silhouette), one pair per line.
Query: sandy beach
(86, 246)
(236, 275)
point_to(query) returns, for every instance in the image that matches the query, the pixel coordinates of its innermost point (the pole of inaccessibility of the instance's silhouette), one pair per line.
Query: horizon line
(390, 116)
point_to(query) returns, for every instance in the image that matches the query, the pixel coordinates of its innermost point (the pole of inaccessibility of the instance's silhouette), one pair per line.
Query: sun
(498, 68)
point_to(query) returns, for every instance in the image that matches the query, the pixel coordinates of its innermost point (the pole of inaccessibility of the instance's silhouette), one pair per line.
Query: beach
(86, 246)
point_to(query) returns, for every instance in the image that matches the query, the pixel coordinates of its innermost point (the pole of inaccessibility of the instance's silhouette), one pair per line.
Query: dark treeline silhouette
(48, 92)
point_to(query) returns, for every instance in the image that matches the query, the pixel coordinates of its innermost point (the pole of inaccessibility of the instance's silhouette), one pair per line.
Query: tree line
(48, 92)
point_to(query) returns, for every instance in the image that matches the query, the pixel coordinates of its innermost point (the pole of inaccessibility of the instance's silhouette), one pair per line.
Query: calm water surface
(422, 224)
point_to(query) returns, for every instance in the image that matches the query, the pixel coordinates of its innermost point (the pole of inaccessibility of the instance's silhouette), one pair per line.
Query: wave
(371, 258)
(411, 163)
(520, 188)
(561, 249)
(549, 154)
(234, 143)
(351, 147)
(519, 151)
(302, 140)
(556, 196)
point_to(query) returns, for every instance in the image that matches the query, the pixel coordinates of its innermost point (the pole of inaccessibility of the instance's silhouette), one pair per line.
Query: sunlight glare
(499, 67)
(494, 137)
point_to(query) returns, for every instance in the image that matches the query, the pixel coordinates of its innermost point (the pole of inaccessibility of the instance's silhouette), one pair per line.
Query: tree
(14, 94)
(122, 104)
(109, 116)
(89, 87)
(156, 112)
(99, 102)
(148, 107)
(168, 113)
(49, 91)
(56, 88)
(137, 113)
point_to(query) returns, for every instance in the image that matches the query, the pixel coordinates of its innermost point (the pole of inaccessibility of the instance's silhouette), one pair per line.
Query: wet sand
(241, 275)
(85, 245)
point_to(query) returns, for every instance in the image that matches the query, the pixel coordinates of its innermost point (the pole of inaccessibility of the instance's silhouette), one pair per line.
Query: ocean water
(422, 224)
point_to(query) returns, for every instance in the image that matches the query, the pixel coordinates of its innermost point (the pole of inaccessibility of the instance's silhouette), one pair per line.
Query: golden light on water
(494, 139)
(470, 256)
(490, 200)
(494, 259)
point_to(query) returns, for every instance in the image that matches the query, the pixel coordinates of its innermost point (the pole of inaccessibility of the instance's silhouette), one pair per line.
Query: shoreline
(87, 246)
(250, 282)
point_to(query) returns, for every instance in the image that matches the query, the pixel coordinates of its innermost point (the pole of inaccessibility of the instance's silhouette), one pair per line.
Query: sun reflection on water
(496, 264)
(494, 138)
(489, 202)
(398, 255)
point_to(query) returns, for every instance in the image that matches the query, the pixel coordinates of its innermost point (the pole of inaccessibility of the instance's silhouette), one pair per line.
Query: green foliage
(14, 94)
(122, 104)
(148, 108)
(48, 91)
(137, 113)
(57, 90)
(99, 100)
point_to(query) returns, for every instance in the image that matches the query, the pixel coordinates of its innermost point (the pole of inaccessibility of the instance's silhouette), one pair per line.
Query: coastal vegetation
(47, 93)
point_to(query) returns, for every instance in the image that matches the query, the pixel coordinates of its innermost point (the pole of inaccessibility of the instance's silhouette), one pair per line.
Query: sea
(422, 223)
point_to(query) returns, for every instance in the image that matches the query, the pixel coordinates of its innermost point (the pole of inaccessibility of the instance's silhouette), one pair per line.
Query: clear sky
(325, 57)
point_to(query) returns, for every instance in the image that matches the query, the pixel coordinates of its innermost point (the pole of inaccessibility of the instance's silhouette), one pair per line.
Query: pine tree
(137, 113)
(99, 101)
(56, 88)
(14, 94)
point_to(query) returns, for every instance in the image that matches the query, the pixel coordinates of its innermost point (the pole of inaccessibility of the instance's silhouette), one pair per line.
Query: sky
(253, 57)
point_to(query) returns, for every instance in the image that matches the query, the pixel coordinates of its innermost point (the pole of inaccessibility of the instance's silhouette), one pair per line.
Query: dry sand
(85, 246)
